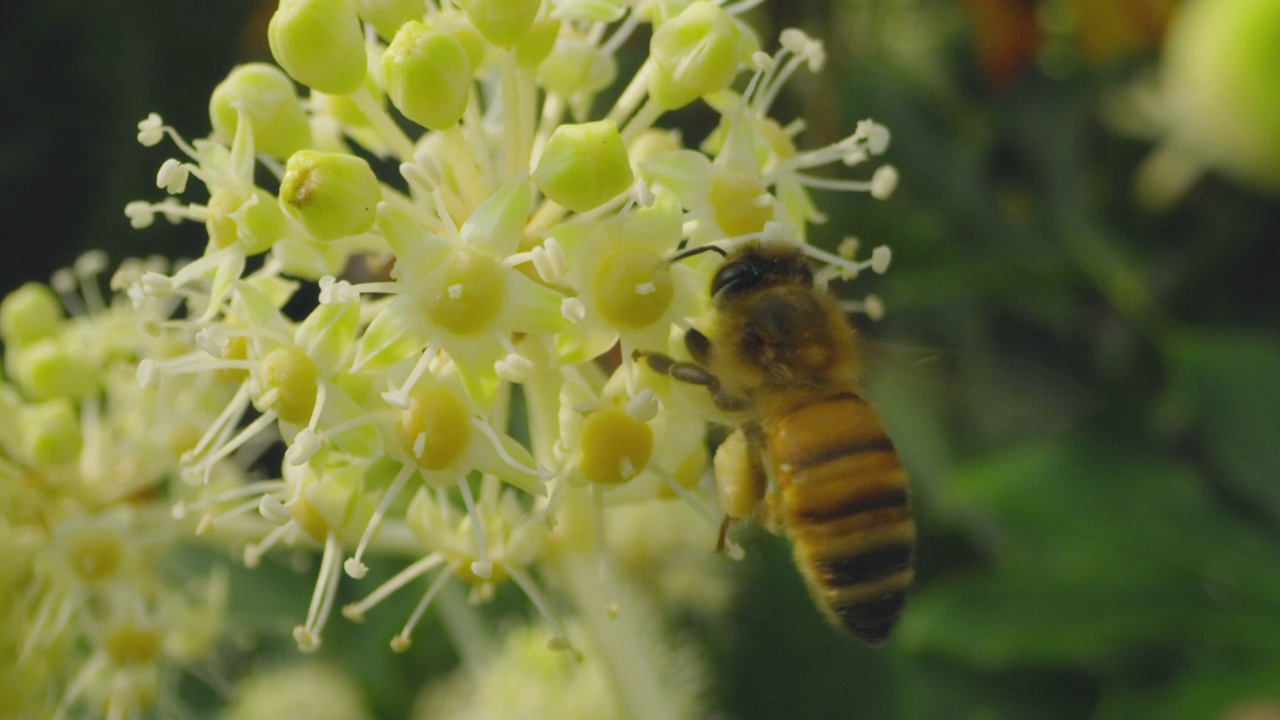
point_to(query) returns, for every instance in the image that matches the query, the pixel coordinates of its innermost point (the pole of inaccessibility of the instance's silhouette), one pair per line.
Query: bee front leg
(693, 374)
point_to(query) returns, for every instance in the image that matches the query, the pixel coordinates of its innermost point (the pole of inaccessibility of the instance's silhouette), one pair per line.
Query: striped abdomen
(846, 505)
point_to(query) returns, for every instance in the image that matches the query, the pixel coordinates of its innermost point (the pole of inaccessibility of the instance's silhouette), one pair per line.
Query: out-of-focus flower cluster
(436, 233)
(90, 618)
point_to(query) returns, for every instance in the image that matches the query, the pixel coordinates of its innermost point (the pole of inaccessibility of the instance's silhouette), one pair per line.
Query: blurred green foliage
(1086, 393)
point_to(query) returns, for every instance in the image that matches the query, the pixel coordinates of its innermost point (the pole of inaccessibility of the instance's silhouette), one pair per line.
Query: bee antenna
(685, 254)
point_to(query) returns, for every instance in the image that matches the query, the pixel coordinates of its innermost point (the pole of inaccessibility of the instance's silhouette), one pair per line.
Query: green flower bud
(333, 195)
(386, 16)
(534, 47)
(50, 432)
(576, 65)
(29, 313)
(695, 53)
(427, 75)
(654, 142)
(319, 43)
(584, 165)
(471, 40)
(47, 369)
(1221, 81)
(501, 22)
(264, 92)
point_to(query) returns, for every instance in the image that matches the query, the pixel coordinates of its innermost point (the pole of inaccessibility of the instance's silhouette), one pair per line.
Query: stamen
(401, 642)
(263, 422)
(607, 580)
(273, 511)
(253, 552)
(481, 567)
(573, 310)
(88, 673)
(226, 419)
(490, 433)
(205, 526)
(400, 398)
(514, 368)
(559, 641)
(308, 635)
(172, 176)
(355, 611)
(180, 509)
(333, 290)
(643, 406)
(354, 567)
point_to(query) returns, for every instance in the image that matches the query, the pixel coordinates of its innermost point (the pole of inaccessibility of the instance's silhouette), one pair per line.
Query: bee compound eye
(733, 277)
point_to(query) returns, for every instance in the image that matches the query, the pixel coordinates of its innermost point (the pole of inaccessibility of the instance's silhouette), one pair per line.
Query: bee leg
(693, 374)
(724, 534)
(741, 478)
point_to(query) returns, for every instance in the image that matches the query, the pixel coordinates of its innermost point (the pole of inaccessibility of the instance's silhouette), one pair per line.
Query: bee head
(756, 266)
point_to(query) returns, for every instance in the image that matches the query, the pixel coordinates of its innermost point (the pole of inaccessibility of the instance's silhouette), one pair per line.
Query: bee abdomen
(848, 510)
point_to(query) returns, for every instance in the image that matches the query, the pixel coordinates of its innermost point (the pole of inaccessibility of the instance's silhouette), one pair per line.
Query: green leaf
(1099, 549)
(1231, 385)
(1212, 686)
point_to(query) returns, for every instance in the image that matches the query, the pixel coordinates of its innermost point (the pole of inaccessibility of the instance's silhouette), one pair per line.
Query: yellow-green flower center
(96, 554)
(288, 370)
(466, 292)
(615, 447)
(130, 644)
(633, 288)
(436, 428)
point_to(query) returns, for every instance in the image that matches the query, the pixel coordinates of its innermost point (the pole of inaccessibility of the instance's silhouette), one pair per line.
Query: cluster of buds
(426, 278)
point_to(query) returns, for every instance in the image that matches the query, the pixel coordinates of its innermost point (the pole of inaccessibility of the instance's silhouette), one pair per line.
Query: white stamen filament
(559, 641)
(401, 642)
(492, 435)
(354, 567)
(355, 611)
(308, 635)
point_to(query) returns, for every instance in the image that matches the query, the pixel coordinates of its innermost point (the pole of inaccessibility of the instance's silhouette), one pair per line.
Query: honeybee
(782, 356)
